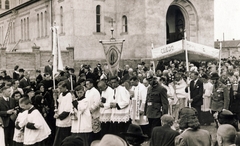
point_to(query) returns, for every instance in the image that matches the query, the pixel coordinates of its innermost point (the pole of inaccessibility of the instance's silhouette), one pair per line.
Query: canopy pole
(220, 58)
(187, 66)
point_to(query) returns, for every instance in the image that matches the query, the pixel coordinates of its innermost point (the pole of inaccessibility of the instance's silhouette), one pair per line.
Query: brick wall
(31, 61)
(37, 59)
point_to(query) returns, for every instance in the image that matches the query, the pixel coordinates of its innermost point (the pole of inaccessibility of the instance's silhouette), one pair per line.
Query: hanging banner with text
(177, 49)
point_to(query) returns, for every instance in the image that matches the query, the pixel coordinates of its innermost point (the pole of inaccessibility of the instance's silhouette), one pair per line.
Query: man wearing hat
(134, 135)
(156, 102)
(227, 117)
(220, 97)
(25, 81)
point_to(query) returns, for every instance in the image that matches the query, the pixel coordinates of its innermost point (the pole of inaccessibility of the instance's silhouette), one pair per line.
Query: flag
(113, 51)
(56, 53)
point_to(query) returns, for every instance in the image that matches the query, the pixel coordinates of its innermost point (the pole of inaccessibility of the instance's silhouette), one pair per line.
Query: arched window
(42, 31)
(28, 28)
(98, 18)
(22, 29)
(46, 27)
(13, 31)
(124, 22)
(38, 26)
(7, 4)
(61, 18)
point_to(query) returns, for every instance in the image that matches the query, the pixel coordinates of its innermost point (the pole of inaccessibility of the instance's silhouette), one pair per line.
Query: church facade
(82, 23)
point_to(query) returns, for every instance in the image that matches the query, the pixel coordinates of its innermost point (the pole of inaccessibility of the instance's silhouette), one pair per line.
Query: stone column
(71, 56)
(36, 52)
(3, 58)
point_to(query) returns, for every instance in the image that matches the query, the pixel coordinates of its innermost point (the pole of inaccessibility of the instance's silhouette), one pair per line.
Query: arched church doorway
(175, 24)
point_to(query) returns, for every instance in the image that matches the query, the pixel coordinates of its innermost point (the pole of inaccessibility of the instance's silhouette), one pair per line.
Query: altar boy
(36, 129)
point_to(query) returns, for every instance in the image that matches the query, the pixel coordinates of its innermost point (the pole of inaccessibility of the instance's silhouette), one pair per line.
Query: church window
(42, 31)
(98, 18)
(25, 29)
(46, 28)
(13, 31)
(38, 26)
(28, 28)
(61, 18)
(7, 4)
(124, 22)
(22, 29)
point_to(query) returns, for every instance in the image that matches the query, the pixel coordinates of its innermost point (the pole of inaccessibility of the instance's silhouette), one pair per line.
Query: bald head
(226, 134)
(102, 85)
(167, 120)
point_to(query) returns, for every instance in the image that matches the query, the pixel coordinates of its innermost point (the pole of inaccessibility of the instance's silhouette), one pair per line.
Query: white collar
(6, 98)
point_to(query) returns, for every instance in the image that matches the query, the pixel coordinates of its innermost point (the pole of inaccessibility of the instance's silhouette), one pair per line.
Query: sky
(227, 19)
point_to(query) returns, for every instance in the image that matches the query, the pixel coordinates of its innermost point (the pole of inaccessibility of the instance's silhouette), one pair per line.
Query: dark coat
(23, 83)
(48, 69)
(196, 93)
(157, 102)
(4, 107)
(163, 136)
(15, 75)
(235, 100)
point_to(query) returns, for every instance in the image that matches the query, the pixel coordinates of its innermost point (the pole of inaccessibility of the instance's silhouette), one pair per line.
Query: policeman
(220, 98)
(156, 102)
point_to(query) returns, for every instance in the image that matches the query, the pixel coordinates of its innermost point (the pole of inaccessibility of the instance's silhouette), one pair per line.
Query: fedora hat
(134, 131)
(109, 140)
(214, 76)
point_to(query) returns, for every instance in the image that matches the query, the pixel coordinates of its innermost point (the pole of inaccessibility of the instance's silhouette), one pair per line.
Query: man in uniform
(220, 98)
(156, 102)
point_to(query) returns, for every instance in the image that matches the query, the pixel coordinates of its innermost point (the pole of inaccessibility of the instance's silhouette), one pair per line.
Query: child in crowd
(36, 129)
(82, 125)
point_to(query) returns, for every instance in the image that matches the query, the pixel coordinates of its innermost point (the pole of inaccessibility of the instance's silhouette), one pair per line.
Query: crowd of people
(162, 106)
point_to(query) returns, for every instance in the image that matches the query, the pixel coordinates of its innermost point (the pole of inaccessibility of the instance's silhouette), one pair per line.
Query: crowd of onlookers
(166, 105)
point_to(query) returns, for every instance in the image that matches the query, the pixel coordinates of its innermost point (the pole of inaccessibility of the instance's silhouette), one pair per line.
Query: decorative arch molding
(191, 18)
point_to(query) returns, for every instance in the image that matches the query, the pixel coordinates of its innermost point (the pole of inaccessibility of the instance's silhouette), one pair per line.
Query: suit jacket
(23, 83)
(196, 93)
(163, 136)
(4, 107)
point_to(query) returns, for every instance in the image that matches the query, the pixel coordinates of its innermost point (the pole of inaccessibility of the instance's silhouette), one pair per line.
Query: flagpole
(187, 66)
(220, 58)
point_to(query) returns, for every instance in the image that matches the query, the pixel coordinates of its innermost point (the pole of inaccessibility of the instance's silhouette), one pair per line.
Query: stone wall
(36, 59)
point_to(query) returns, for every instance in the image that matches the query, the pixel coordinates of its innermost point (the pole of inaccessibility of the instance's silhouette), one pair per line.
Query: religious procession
(160, 80)
(139, 106)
